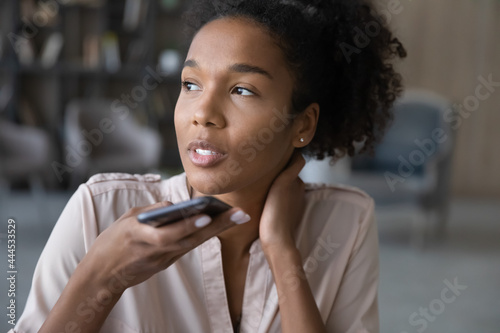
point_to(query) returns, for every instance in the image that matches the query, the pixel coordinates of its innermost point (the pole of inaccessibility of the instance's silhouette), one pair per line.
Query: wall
(451, 43)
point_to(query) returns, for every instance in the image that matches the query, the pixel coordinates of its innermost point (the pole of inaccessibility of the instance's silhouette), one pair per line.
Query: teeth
(205, 152)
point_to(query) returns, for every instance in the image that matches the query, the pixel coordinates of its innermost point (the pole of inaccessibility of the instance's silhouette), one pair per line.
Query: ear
(305, 126)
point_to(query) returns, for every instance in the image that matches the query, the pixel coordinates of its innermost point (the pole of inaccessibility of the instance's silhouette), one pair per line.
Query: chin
(210, 184)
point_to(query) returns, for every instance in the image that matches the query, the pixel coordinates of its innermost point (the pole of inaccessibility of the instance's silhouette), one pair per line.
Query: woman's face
(232, 121)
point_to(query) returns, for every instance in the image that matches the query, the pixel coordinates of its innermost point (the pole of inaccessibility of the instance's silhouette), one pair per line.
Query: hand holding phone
(166, 215)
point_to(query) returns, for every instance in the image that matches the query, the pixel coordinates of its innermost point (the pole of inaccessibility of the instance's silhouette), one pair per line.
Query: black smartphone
(167, 215)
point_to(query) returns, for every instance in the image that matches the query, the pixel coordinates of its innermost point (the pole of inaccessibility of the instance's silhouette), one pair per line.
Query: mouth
(204, 154)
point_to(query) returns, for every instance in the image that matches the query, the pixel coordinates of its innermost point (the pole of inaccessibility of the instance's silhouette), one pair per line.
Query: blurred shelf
(43, 92)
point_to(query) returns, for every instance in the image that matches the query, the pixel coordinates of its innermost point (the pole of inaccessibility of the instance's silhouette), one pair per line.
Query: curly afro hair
(341, 54)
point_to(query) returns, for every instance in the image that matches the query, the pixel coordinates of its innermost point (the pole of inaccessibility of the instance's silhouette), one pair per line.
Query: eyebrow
(191, 63)
(238, 68)
(245, 68)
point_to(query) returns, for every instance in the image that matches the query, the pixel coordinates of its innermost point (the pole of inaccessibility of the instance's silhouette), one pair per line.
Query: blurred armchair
(25, 156)
(412, 164)
(99, 139)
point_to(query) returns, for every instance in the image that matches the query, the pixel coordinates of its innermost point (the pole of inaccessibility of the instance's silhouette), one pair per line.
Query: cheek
(263, 146)
(180, 120)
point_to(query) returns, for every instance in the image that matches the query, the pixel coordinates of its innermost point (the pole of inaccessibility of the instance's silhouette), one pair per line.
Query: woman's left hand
(283, 208)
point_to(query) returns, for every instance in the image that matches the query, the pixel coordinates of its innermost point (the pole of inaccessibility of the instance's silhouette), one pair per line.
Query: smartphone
(167, 215)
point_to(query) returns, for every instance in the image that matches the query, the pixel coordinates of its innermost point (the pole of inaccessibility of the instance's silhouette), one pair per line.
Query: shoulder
(339, 207)
(122, 177)
(339, 194)
(341, 214)
(103, 181)
(107, 196)
(152, 186)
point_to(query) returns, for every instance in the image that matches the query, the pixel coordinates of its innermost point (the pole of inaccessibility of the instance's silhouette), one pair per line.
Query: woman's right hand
(136, 251)
(125, 254)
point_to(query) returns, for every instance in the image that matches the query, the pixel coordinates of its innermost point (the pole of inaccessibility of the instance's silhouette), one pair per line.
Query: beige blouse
(337, 238)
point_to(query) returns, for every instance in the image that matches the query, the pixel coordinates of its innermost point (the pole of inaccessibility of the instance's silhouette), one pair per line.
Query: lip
(205, 161)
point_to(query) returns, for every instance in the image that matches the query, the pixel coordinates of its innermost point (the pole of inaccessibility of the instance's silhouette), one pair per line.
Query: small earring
(302, 140)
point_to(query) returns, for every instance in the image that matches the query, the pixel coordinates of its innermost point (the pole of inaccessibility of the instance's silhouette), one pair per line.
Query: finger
(175, 232)
(222, 222)
(171, 233)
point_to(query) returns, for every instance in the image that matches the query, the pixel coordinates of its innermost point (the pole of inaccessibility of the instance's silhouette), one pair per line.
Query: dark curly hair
(340, 52)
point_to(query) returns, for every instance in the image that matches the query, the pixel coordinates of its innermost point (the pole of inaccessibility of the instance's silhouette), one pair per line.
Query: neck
(239, 239)
(251, 199)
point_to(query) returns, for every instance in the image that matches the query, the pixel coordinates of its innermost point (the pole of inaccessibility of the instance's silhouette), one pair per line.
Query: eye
(190, 86)
(243, 92)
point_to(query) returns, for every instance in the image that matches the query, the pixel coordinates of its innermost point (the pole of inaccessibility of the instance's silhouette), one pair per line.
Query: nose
(209, 110)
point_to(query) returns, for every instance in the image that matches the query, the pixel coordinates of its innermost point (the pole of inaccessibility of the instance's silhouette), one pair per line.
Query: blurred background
(90, 86)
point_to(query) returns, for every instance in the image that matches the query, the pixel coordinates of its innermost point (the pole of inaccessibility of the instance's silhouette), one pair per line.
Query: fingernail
(240, 217)
(203, 221)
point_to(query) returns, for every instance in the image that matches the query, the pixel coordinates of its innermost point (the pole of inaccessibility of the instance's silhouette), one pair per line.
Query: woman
(262, 81)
